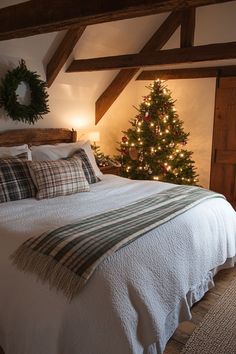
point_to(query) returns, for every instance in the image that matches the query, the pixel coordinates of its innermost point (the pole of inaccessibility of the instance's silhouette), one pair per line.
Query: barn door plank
(223, 165)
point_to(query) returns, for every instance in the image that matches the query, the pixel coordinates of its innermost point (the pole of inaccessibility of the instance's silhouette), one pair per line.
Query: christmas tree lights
(154, 147)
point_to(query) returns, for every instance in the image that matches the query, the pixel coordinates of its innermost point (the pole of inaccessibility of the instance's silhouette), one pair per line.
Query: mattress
(135, 299)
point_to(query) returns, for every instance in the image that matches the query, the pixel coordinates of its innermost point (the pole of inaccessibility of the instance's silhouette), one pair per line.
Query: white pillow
(59, 151)
(13, 151)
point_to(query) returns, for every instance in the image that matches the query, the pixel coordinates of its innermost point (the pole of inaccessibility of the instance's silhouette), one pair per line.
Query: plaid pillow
(15, 180)
(87, 167)
(58, 178)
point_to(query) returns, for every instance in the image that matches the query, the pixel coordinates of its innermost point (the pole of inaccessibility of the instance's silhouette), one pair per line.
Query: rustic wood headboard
(36, 136)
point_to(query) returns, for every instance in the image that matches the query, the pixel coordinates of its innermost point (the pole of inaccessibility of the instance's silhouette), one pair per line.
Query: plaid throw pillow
(58, 178)
(15, 180)
(87, 167)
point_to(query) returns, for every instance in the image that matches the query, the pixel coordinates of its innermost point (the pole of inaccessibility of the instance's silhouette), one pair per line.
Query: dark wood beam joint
(171, 56)
(156, 42)
(188, 73)
(63, 52)
(187, 27)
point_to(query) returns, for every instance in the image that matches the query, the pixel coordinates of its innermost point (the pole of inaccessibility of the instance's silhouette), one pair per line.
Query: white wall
(73, 96)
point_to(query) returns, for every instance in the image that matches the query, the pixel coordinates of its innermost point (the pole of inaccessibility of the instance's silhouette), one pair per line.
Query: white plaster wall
(73, 96)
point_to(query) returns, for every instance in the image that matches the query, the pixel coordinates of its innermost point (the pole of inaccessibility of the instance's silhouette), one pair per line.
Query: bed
(137, 297)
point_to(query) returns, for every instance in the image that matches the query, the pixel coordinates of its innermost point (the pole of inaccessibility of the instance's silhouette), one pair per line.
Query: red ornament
(184, 143)
(124, 139)
(147, 117)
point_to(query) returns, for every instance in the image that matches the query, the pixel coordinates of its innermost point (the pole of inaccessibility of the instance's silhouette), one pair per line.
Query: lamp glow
(94, 137)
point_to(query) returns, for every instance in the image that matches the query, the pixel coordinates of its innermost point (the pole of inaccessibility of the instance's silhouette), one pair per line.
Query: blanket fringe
(48, 270)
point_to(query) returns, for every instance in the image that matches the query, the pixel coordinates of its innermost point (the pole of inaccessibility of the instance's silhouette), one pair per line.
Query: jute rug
(217, 332)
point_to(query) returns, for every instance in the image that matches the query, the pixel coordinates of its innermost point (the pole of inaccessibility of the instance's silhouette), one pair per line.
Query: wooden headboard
(35, 136)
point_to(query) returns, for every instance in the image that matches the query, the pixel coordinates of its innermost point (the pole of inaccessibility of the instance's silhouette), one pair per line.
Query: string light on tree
(154, 147)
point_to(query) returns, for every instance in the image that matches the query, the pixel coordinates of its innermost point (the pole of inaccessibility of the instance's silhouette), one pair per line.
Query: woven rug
(217, 332)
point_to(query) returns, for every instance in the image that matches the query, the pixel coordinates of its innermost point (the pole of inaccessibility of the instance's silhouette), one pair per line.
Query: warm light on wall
(94, 137)
(78, 122)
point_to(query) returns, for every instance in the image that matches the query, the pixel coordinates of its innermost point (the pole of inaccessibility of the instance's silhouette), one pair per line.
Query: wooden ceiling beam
(188, 28)
(156, 42)
(188, 73)
(63, 52)
(171, 56)
(34, 17)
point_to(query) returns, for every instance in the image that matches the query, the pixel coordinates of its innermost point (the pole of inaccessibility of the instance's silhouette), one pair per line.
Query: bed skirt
(183, 313)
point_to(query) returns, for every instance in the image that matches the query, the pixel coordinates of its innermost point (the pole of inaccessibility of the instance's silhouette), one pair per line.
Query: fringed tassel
(48, 270)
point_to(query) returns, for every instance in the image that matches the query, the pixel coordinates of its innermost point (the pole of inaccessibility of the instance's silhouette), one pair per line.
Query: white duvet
(135, 299)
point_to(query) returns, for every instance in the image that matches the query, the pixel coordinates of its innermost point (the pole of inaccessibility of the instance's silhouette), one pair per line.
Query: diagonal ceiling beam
(187, 73)
(156, 42)
(188, 28)
(63, 52)
(171, 56)
(34, 17)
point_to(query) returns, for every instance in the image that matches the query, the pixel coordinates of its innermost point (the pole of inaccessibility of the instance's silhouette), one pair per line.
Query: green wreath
(39, 96)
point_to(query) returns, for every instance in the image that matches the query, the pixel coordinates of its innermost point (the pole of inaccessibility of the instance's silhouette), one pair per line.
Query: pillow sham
(22, 156)
(87, 167)
(58, 178)
(59, 151)
(15, 151)
(15, 180)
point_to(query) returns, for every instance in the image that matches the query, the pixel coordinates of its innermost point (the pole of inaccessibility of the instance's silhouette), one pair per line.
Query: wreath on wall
(9, 99)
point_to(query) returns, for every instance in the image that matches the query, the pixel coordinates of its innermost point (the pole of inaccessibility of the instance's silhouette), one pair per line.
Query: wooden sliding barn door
(223, 164)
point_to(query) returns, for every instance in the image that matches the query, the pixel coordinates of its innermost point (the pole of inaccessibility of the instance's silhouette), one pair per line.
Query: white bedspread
(135, 299)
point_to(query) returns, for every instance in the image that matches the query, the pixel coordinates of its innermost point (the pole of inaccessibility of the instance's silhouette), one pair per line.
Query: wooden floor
(199, 310)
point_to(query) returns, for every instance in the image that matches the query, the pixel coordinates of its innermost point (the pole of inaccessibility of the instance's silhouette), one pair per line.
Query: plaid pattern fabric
(58, 178)
(87, 167)
(67, 257)
(15, 180)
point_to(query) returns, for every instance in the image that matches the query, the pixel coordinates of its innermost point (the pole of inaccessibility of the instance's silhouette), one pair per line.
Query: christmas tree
(153, 148)
(101, 159)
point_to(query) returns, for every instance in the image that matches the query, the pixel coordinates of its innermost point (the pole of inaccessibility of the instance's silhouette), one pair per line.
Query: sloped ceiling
(74, 95)
(113, 38)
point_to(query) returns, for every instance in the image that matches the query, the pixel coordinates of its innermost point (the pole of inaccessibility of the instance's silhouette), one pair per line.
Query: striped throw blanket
(67, 256)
